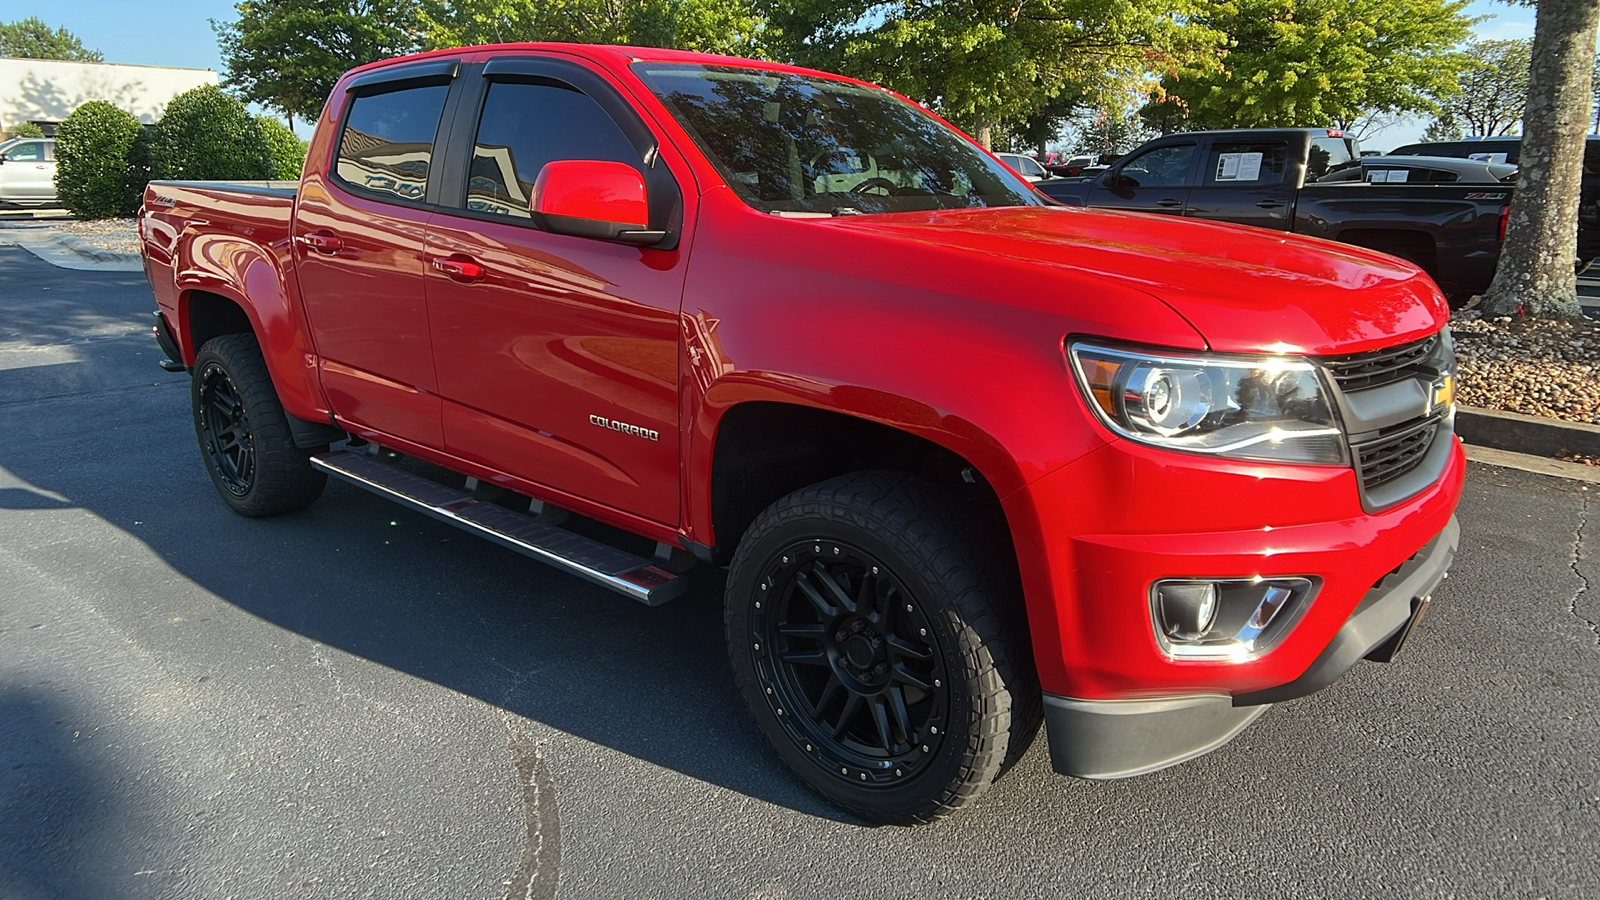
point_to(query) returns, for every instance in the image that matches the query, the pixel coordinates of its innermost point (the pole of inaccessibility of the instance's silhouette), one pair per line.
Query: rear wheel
(869, 640)
(244, 435)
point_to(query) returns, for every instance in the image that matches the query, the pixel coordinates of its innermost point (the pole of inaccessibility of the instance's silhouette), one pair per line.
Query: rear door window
(1241, 164)
(386, 147)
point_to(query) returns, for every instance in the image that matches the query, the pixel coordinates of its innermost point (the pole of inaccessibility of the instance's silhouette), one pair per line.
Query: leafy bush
(288, 151)
(206, 135)
(27, 129)
(93, 147)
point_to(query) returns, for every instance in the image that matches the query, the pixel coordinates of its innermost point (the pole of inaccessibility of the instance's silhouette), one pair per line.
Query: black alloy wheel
(850, 664)
(244, 434)
(225, 430)
(871, 638)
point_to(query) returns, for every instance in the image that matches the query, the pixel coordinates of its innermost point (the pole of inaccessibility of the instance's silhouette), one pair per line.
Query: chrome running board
(591, 560)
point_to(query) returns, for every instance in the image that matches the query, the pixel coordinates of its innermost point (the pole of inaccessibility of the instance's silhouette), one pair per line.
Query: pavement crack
(539, 871)
(1578, 558)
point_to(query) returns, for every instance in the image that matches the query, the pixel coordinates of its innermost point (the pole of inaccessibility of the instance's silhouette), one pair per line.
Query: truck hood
(1243, 289)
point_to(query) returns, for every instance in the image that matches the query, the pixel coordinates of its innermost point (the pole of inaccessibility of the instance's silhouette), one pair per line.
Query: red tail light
(1505, 216)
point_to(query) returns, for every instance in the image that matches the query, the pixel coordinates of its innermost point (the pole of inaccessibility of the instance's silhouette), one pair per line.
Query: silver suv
(28, 172)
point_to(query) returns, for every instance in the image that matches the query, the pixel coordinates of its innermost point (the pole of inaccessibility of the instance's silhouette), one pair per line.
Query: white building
(45, 91)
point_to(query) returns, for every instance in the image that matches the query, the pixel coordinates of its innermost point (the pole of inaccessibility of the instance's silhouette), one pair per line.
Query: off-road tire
(936, 750)
(244, 435)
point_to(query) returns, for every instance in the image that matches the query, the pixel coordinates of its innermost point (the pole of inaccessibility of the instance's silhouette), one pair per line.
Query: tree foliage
(288, 151)
(27, 130)
(708, 26)
(288, 54)
(1309, 63)
(207, 135)
(31, 38)
(93, 149)
(1536, 274)
(1443, 128)
(986, 62)
(1493, 86)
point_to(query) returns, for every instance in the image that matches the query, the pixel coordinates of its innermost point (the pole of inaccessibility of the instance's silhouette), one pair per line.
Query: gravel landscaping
(1538, 368)
(116, 235)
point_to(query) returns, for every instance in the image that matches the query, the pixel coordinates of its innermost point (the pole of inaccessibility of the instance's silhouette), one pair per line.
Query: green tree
(31, 38)
(93, 146)
(707, 26)
(28, 130)
(1309, 63)
(288, 54)
(1492, 87)
(1536, 275)
(1112, 130)
(1443, 128)
(983, 63)
(288, 151)
(207, 135)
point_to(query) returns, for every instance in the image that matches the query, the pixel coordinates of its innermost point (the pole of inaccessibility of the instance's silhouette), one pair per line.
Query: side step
(633, 576)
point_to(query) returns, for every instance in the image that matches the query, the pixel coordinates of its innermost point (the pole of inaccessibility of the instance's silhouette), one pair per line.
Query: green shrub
(27, 129)
(288, 151)
(206, 135)
(93, 146)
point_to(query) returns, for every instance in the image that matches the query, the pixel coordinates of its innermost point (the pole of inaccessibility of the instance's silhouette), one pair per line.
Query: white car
(1026, 166)
(28, 172)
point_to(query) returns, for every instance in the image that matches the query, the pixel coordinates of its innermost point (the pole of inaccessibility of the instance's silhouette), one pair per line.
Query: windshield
(803, 144)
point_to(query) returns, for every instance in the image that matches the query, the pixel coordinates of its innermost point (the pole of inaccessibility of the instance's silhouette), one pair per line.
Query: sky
(178, 33)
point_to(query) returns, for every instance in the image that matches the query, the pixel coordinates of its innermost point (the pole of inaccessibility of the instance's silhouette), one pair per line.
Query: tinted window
(387, 144)
(29, 151)
(1162, 167)
(788, 142)
(1330, 154)
(1391, 174)
(525, 126)
(1246, 165)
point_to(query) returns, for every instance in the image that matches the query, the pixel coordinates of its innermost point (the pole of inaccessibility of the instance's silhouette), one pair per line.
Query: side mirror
(593, 199)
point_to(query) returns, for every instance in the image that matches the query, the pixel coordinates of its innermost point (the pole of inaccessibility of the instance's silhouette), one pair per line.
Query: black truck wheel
(868, 639)
(244, 435)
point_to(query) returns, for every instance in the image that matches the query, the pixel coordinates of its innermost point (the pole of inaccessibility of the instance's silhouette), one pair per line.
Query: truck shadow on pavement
(362, 575)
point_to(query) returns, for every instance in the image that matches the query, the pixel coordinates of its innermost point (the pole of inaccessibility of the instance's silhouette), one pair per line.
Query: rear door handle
(465, 270)
(1169, 203)
(1270, 204)
(322, 243)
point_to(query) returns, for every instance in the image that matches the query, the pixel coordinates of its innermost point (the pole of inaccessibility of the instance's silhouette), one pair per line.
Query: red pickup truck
(973, 461)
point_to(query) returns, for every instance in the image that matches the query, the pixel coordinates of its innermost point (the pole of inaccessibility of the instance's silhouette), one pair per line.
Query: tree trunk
(1535, 276)
(983, 130)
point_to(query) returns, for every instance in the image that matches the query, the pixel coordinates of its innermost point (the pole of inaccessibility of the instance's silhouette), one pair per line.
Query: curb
(1532, 435)
(98, 254)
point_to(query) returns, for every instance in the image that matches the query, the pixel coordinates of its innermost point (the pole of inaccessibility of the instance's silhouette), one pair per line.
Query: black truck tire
(244, 435)
(869, 640)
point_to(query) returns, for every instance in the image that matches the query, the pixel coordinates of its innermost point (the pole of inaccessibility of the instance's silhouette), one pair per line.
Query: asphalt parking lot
(356, 701)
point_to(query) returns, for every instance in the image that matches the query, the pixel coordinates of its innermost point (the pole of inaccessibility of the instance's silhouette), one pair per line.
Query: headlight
(1245, 407)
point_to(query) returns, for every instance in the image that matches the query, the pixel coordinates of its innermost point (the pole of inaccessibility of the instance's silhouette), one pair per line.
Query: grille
(1387, 458)
(1375, 368)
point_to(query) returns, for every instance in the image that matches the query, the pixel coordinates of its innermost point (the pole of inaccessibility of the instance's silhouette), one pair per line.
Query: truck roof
(612, 53)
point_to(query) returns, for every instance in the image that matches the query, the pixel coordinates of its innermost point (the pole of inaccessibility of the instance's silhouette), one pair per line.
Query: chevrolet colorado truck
(1269, 178)
(973, 461)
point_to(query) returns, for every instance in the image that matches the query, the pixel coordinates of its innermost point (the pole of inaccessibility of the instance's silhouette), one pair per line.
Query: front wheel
(244, 434)
(870, 642)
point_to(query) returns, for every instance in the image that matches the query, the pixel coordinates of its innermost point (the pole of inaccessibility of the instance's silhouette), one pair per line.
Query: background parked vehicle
(1423, 170)
(1026, 166)
(1273, 178)
(28, 172)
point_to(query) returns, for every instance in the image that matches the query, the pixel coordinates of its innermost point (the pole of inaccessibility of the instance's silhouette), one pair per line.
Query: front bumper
(1105, 739)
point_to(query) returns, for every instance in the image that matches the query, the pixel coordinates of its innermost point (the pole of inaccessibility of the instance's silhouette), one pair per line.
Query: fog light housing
(1226, 618)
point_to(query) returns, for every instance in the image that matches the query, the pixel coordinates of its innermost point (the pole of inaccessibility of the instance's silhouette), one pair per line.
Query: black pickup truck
(1269, 178)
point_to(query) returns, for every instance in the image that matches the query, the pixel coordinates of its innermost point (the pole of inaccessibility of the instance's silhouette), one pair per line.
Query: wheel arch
(215, 309)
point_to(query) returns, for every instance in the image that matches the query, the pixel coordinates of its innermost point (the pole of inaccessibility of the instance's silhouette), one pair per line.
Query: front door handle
(465, 270)
(1270, 204)
(322, 243)
(1169, 203)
